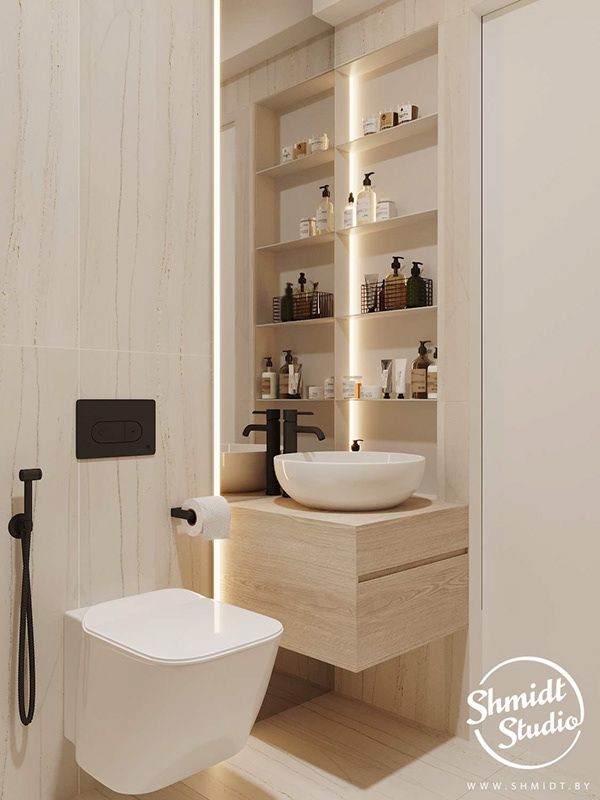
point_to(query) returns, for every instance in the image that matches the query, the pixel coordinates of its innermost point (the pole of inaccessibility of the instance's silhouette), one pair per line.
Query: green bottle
(416, 288)
(287, 304)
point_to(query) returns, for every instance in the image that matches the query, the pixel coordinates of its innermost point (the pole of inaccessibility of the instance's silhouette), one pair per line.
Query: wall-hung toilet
(161, 685)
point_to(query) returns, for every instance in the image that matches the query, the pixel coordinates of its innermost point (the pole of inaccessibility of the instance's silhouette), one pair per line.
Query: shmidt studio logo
(547, 708)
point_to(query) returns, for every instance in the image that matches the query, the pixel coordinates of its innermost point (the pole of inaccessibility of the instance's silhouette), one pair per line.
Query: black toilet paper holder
(184, 513)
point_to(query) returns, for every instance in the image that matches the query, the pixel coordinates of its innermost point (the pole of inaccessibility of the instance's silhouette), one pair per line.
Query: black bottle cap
(289, 288)
(350, 198)
(416, 268)
(268, 361)
(326, 192)
(355, 445)
(396, 265)
(302, 280)
(367, 180)
(289, 358)
(423, 346)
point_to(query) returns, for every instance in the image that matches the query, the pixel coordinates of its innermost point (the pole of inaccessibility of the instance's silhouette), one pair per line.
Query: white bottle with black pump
(325, 222)
(366, 202)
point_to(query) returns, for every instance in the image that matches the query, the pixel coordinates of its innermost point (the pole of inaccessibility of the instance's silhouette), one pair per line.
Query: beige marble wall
(105, 207)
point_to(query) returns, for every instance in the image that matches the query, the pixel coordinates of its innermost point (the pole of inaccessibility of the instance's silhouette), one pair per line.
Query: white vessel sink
(364, 481)
(243, 468)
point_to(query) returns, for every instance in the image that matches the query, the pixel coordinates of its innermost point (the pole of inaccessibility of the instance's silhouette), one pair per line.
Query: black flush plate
(113, 428)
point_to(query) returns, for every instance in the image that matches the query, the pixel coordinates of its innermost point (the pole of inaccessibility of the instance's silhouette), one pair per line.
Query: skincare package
(299, 303)
(389, 118)
(316, 143)
(396, 291)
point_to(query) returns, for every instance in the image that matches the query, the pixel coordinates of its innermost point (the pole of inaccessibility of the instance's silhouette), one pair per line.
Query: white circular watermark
(547, 708)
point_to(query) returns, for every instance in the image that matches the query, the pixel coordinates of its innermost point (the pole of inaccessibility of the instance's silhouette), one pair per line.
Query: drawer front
(408, 609)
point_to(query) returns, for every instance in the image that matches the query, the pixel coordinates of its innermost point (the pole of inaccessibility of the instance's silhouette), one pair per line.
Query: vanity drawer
(399, 612)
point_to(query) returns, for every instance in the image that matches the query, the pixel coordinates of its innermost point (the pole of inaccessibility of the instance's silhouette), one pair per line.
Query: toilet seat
(177, 626)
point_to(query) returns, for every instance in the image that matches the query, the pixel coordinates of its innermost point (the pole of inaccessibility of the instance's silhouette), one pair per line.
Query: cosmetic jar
(319, 142)
(308, 227)
(351, 387)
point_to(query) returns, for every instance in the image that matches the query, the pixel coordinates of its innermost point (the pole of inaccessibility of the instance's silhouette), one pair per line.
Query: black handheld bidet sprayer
(21, 527)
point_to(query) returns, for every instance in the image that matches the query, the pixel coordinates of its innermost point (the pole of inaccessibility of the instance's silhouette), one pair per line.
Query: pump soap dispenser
(418, 376)
(284, 375)
(394, 287)
(325, 221)
(287, 303)
(268, 383)
(366, 202)
(416, 289)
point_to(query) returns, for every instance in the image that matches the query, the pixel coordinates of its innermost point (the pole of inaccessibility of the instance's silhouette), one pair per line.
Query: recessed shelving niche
(404, 160)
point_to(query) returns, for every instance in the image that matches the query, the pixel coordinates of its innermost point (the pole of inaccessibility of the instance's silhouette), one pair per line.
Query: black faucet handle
(306, 413)
(291, 414)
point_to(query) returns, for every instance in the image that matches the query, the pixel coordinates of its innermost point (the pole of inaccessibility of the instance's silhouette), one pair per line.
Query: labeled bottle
(284, 375)
(366, 202)
(287, 304)
(325, 223)
(394, 287)
(350, 212)
(416, 288)
(268, 381)
(432, 377)
(418, 375)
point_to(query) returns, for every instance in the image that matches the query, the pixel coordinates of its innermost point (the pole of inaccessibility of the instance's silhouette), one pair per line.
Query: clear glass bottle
(366, 202)
(325, 222)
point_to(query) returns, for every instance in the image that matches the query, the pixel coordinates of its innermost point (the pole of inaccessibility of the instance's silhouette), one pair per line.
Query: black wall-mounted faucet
(273, 431)
(291, 429)
(21, 527)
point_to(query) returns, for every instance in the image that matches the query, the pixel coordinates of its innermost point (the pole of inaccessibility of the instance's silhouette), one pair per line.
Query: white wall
(541, 340)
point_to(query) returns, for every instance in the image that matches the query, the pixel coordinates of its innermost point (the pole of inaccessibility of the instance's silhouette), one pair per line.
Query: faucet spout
(311, 429)
(249, 428)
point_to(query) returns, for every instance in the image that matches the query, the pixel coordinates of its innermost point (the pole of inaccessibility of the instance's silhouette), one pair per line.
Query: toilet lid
(177, 626)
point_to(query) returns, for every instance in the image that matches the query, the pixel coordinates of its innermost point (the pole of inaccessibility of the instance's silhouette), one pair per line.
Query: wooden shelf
(382, 400)
(296, 244)
(405, 221)
(298, 165)
(296, 323)
(299, 400)
(387, 314)
(406, 131)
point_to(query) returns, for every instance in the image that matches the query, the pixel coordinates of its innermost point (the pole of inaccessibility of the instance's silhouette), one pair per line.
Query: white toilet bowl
(161, 685)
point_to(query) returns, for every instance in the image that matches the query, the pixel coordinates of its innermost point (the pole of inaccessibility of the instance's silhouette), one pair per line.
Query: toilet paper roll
(213, 518)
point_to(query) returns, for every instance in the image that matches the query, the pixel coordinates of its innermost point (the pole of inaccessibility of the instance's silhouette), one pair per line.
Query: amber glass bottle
(418, 377)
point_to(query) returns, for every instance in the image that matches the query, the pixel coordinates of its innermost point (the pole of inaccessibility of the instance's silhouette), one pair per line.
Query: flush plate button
(113, 428)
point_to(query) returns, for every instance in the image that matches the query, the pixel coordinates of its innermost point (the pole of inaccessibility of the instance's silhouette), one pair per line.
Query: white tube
(400, 372)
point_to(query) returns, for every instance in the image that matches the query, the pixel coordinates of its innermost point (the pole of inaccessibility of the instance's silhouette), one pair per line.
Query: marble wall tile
(129, 543)
(38, 163)
(146, 175)
(38, 388)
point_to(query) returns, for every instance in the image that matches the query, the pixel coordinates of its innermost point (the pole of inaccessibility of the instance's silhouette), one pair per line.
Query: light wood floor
(332, 748)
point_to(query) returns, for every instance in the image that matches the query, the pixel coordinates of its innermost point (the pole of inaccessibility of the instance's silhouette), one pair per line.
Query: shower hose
(26, 636)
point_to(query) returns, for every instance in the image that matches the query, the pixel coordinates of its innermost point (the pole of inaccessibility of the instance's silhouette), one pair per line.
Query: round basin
(243, 468)
(365, 481)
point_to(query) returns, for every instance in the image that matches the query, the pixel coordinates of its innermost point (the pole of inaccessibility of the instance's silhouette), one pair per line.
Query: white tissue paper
(213, 518)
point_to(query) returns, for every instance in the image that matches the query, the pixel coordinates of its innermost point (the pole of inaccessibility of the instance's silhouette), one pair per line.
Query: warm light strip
(216, 248)
(353, 276)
